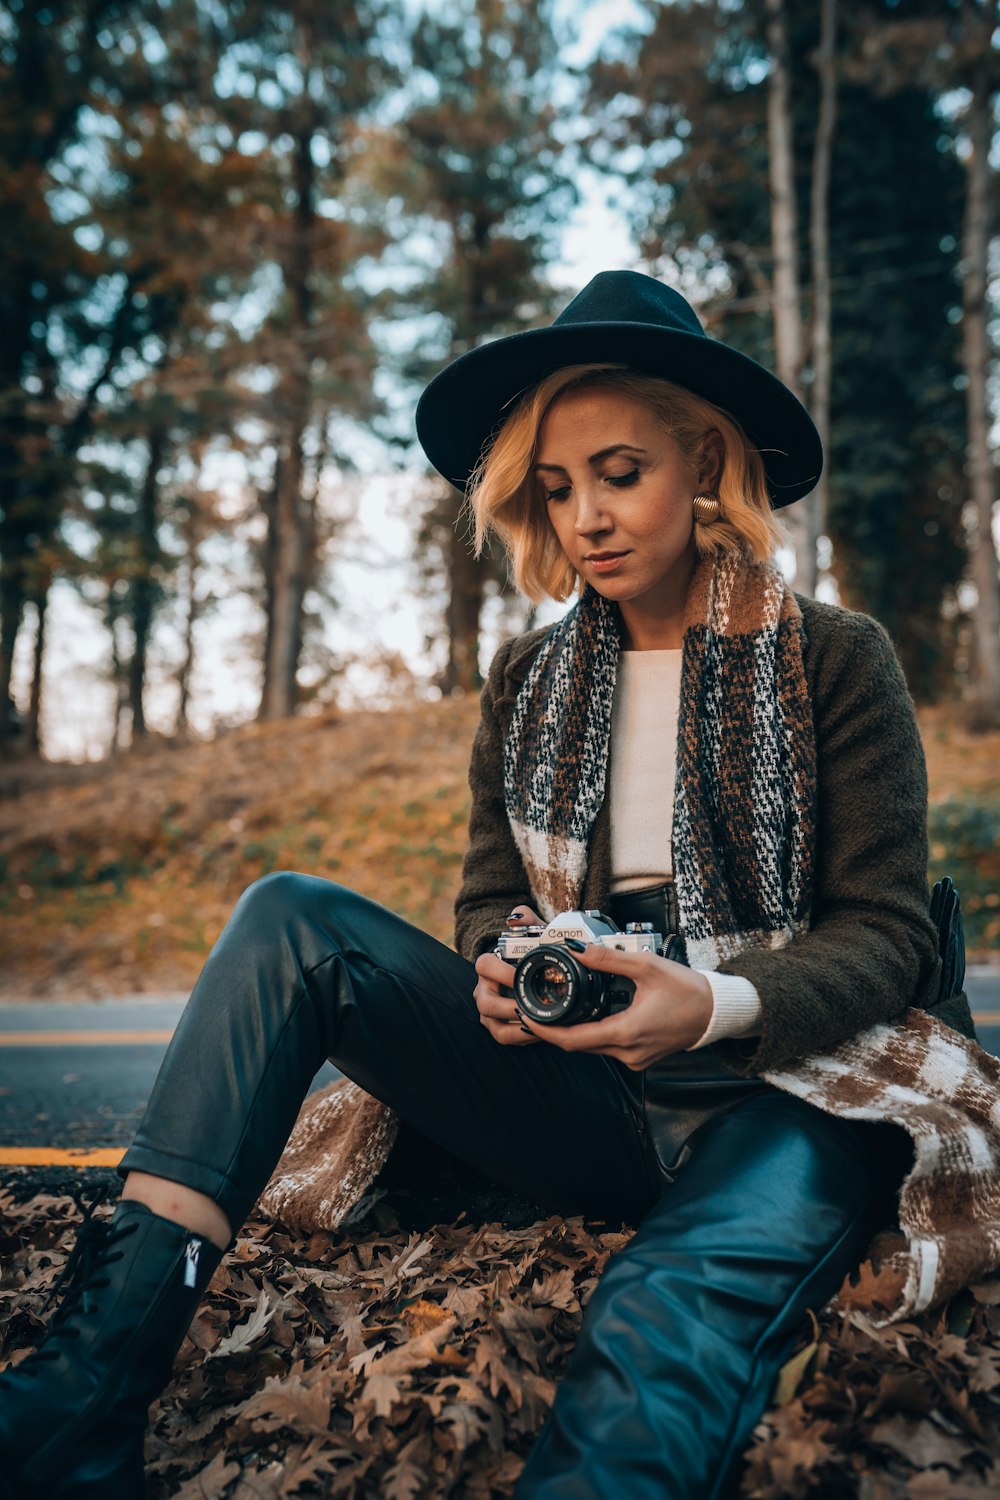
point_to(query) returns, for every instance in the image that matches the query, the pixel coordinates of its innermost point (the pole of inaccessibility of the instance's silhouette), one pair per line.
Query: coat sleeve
(493, 876)
(871, 949)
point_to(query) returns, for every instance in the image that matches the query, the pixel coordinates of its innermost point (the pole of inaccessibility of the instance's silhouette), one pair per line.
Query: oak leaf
(209, 1482)
(868, 1289)
(245, 1334)
(288, 1401)
(922, 1443)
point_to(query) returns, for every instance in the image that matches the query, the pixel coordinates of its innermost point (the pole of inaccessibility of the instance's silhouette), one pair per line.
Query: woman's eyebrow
(595, 458)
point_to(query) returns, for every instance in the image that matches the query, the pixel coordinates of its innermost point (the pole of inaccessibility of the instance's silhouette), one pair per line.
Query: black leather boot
(73, 1414)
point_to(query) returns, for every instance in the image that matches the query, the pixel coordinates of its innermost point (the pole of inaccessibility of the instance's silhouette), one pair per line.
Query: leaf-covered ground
(408, 1362)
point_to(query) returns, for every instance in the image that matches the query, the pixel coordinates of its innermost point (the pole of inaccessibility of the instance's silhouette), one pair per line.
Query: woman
(691, 746)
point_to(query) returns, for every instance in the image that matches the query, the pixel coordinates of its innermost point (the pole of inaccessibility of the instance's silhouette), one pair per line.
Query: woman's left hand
(670, 1010)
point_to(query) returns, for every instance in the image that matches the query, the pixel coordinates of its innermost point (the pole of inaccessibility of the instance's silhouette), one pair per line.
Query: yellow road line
(47, 1156)
(84, 1038)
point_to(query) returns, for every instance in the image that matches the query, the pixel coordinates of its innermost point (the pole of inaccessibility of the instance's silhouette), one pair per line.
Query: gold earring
(707, 508)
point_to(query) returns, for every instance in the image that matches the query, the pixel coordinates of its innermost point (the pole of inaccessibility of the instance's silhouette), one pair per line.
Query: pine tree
(305, 78)
(476, 163)
(702, 216)
(47, 62)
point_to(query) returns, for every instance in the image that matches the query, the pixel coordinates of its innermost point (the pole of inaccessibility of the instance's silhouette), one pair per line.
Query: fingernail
(575, 944)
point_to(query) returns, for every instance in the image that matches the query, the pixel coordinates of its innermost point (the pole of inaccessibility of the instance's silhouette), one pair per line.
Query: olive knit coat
(871, 950)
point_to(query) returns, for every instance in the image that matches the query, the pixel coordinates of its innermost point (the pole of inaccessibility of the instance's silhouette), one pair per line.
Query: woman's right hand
(497, 1012)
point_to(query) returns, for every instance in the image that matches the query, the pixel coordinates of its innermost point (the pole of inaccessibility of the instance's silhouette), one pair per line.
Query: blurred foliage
(965, 844)
(896, 197)
(232, 237)
(475, 162)
(898, 415)
(209, 193)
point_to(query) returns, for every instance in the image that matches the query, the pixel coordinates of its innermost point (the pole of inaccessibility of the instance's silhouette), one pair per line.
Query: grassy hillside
(116, 878)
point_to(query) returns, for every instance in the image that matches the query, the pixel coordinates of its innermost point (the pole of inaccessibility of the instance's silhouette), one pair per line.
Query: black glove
(946, 914)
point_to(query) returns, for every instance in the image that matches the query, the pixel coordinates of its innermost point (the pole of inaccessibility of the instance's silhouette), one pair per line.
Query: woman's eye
(557, 494)
(622, 481)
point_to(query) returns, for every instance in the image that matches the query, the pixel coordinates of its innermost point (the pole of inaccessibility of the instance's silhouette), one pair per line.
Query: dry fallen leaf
(869, 1289)
(923, 1444)
(245, 1334)
(414, 1363)
(791, 1375)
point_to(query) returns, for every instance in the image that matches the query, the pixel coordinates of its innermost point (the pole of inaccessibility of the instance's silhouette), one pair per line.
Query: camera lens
(550, 984)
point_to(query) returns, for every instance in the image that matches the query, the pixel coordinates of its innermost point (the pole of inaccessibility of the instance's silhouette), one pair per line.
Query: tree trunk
(309, 502)
(33, 736)
(788, 338)
(465, 571)
(289, 541)
(143, 587)
(11, 611)
(985, 704)
(192, 538)
(284, 627)
(268, 502)
(187, 660)
(465, 600)
(118, 678)
(819, 235)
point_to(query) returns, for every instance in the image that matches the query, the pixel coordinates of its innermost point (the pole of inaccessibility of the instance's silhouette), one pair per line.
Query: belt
(653, 903)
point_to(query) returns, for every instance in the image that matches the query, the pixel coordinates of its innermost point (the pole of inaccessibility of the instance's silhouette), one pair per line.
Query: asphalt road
(74, 1075)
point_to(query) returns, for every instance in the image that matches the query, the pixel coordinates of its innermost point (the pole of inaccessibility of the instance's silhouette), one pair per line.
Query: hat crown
(631, 297)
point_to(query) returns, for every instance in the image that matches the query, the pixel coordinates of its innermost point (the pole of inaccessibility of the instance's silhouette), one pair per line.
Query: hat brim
(464, 406)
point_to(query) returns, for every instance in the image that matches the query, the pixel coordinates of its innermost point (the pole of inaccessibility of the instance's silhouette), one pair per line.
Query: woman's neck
(653, 619)
(645, 631)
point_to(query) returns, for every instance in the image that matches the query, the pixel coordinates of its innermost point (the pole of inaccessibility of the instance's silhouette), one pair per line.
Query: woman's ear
(713, 457)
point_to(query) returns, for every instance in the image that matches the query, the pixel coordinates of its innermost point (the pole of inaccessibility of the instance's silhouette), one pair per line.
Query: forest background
(237, 239)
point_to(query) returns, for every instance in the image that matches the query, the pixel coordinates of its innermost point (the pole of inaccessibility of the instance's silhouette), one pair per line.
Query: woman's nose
(591, 515)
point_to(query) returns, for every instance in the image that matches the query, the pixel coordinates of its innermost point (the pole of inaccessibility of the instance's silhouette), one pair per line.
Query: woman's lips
(606, 562)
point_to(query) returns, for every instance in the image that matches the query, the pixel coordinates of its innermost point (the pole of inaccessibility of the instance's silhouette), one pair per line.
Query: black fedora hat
(621, 317)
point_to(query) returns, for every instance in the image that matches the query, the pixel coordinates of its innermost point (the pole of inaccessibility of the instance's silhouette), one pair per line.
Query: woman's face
(618, 492)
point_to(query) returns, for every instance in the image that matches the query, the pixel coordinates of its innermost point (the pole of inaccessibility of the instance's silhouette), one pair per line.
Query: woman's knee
(285, 913)
(312, 919)
(279, 900)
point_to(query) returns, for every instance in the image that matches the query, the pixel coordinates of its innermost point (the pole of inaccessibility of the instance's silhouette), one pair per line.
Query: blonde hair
(504, 496)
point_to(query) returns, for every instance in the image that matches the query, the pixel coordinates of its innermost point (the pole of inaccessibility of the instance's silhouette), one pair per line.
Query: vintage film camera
(552, 987)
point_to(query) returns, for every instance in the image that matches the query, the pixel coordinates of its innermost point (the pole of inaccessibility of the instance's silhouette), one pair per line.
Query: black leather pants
(683, 1337)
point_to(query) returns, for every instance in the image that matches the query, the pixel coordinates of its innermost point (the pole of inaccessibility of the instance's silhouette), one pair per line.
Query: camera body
(551, 986)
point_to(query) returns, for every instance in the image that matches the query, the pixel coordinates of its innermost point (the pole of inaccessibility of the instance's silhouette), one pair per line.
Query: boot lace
(96, 1247)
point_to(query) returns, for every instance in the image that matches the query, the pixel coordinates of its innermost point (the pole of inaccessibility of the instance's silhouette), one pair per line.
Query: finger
(508, 1033)
(523, 916)
(589, 1036)
(617, 961)
(497, 1007)
(488, 966)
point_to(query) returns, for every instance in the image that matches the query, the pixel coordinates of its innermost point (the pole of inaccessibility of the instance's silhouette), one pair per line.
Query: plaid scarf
(745, 796)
